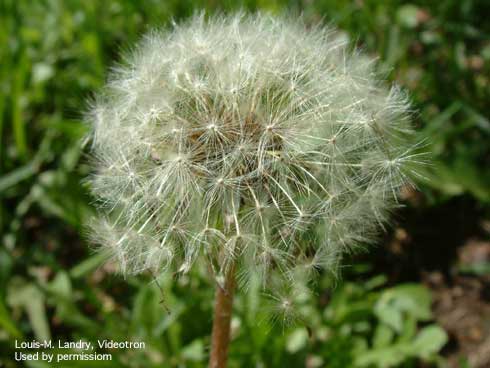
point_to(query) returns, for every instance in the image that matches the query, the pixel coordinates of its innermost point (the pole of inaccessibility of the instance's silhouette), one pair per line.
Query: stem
(220, 338)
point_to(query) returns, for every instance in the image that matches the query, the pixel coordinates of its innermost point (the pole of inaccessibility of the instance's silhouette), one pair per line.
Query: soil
(448, 249)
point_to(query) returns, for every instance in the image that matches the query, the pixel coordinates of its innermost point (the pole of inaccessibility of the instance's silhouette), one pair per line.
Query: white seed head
(246, 139)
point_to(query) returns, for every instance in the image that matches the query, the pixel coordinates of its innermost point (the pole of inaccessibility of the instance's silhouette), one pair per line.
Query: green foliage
(379, 328)
(362, 325)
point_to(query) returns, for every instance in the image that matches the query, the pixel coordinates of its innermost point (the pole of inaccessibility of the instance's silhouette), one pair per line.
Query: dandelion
(253, 143)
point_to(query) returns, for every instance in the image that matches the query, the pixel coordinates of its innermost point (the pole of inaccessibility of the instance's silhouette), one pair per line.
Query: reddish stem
(220, 338)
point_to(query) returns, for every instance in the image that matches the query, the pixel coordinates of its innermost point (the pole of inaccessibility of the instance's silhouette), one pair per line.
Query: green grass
(55, 54)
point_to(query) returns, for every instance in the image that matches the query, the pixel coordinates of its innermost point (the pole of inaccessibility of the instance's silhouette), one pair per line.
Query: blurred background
(420, 299)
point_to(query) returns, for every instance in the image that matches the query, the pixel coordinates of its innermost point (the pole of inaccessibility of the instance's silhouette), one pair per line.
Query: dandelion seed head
(246, 139)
